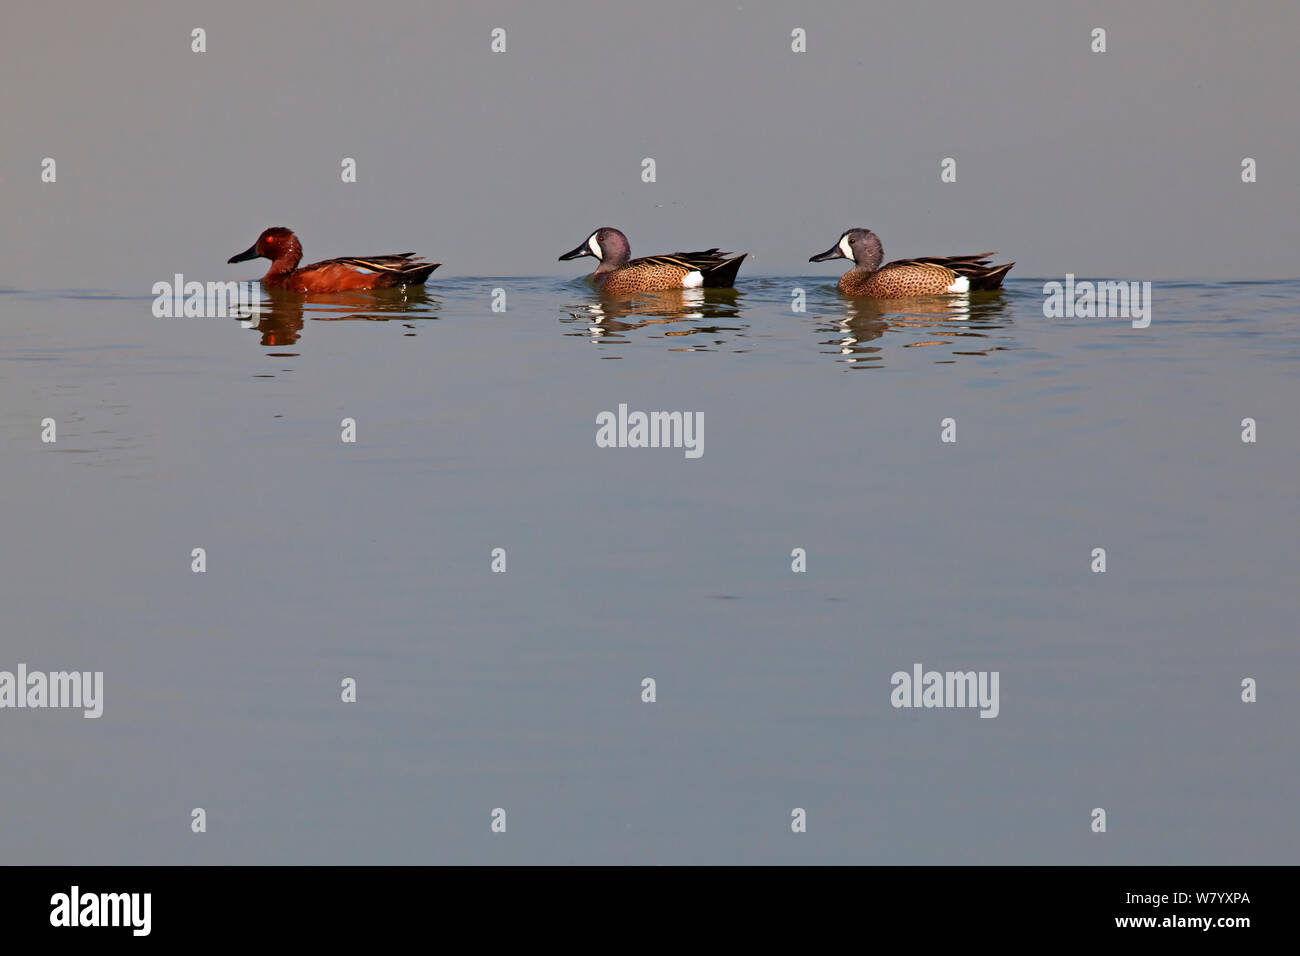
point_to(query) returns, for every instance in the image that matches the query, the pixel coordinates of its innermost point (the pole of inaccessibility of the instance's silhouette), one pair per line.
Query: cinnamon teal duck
(344, 274)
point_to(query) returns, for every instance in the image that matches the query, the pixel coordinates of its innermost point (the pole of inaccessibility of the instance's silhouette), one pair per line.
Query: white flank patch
(693, 280)
(846, 248)
(594, 246)
(961, 285)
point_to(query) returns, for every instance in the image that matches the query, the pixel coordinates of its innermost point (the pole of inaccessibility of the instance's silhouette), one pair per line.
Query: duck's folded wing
(702, 260)
(399, 262)
(957, 264)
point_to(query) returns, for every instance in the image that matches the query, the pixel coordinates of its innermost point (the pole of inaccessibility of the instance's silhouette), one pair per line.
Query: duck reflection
(284, 314)
(934, 320)
(610, 314)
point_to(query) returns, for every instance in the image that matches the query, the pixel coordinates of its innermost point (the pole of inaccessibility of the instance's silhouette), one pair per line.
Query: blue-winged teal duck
(929, 275)
(619, 273)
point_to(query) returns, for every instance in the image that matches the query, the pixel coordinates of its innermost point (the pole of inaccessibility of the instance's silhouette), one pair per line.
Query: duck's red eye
(270, 238)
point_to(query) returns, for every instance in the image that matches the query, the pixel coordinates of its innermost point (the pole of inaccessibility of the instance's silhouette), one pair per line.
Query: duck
(343, 274)
(619, 273)
(903, 278)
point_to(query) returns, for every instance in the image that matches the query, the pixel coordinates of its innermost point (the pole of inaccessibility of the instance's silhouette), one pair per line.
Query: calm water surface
(476, 430)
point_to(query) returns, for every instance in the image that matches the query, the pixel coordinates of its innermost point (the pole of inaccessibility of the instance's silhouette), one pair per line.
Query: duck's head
(860, 246)
(607, 244)
(274, 243)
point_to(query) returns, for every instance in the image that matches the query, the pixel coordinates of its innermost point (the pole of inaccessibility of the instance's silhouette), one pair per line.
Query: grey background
(476, 430)
(1124, 163)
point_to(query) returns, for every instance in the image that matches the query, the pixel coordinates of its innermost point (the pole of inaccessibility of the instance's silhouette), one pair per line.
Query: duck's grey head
(860, 246)
(607, 244)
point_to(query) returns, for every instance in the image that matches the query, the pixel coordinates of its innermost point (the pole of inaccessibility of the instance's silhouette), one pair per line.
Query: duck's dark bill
(249, 253)
(834, 252)
(578, 253)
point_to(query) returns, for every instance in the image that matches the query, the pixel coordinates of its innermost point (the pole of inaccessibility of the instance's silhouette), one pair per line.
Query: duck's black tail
(989, 278)
(723, 275)
(411, 275)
